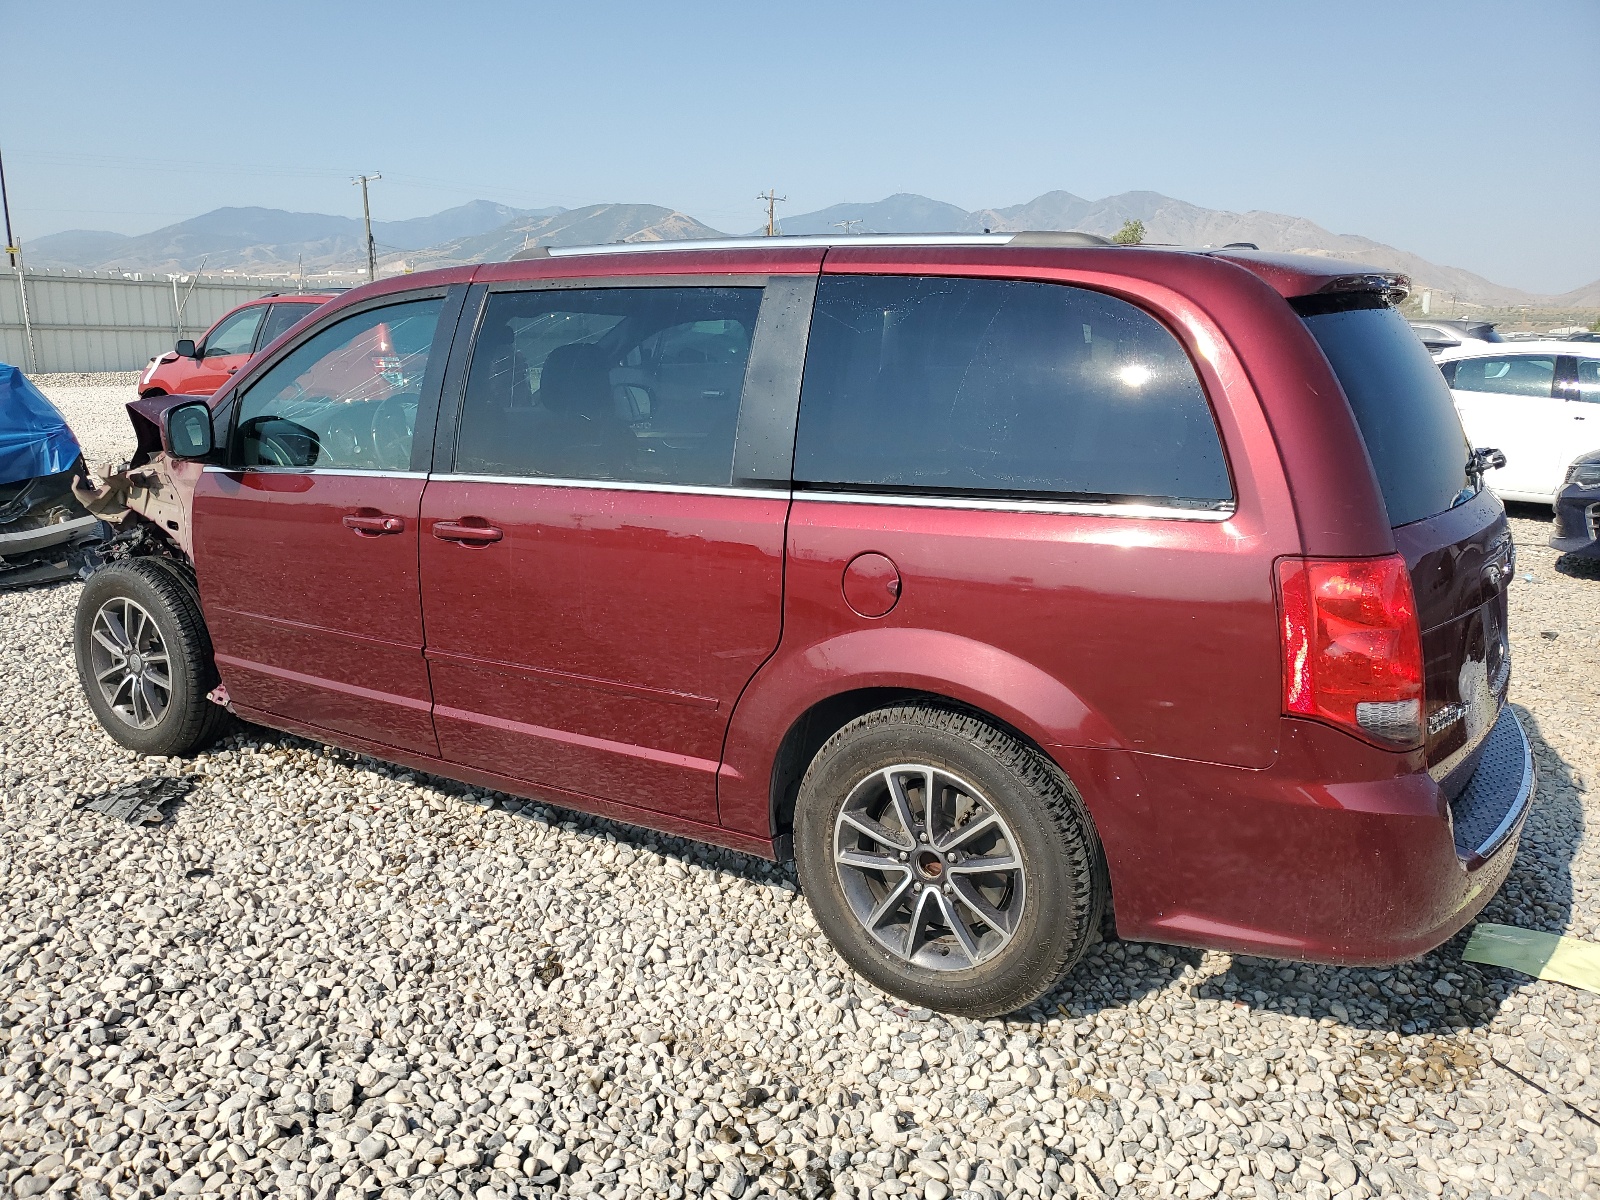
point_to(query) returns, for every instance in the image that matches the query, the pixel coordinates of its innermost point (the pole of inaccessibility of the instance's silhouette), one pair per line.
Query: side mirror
(185, 349)
(1487, 457)
(187, 430)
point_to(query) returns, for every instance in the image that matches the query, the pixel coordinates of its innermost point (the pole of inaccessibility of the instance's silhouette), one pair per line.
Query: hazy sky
(1465, 132)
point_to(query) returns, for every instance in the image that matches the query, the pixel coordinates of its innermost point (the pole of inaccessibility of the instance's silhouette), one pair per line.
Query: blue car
(45, 532)
(1578, 509)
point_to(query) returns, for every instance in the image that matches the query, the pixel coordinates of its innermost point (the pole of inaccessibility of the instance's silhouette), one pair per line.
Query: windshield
(1403, 407)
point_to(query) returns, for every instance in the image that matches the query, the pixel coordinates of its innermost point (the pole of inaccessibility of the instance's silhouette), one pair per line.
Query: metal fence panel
(99, 321)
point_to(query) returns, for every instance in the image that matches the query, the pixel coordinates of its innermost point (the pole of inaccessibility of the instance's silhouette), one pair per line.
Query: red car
(192, 369)
(989, 579)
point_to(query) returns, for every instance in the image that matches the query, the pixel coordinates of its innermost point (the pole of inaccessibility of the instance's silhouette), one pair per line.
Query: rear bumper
(1301, 861)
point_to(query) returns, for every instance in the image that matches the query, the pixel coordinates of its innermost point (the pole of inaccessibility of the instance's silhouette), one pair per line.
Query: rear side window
(1001, 388)
(1402, 406)
(281, 317)
(632, 384)
(1517, 375)
(1588, 381)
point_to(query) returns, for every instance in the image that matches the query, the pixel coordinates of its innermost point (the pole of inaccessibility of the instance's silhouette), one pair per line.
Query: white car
(1441, 335)
(1538, 402)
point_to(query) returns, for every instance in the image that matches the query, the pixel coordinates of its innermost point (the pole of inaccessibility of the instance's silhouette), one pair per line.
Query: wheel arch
(800, 699)
(810, 731)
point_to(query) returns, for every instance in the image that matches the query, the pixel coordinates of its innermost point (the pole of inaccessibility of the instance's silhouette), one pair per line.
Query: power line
(773, 200)
(366, 215)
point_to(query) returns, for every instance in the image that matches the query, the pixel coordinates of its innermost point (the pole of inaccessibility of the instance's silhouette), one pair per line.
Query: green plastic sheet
(1543, 955)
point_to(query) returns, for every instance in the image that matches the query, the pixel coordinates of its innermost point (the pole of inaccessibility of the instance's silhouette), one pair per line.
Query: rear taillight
(1352, 649)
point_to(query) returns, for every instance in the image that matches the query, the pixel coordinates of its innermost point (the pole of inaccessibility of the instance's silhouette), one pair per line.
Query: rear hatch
(1450, 529)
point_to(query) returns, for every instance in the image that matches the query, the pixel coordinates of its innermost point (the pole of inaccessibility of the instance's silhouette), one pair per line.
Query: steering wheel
(273, 453)
(392, 427)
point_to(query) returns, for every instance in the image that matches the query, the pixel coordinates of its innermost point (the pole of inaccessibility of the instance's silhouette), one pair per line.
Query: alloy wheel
(929, 867)
(130, 662)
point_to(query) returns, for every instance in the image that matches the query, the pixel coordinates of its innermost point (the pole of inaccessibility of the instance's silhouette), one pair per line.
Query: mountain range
(271, 241)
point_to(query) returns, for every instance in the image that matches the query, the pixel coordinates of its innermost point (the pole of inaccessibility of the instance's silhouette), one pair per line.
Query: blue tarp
(34, 438)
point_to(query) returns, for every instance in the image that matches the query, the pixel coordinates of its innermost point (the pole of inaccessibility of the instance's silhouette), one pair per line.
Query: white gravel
(324, 977)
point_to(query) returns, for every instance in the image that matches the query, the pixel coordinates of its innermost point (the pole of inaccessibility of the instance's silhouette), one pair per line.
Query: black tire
(164, 591)
(1060, 893)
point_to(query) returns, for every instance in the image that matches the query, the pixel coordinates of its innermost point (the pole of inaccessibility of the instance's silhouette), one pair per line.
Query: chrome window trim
(213, 469)
(616, 485)
(974, 503)
(1109, 508)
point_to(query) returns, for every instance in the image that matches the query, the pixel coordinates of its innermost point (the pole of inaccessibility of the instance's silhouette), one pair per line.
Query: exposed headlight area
(1584, 473)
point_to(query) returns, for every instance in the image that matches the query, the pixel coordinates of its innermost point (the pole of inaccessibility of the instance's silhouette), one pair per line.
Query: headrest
(576, 379)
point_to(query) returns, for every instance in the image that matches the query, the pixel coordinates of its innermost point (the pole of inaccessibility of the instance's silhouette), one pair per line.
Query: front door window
(236, 334)
(345, 399)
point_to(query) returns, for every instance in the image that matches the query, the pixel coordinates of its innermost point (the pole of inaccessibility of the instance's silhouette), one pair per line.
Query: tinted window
(346, 398)
(1516, 375)
(982, 386)
(280, 317)
(628, 384)
(1589, 380)
(1403, 407)
(236, 334)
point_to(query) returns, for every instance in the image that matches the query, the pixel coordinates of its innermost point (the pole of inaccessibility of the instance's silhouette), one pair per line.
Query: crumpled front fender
(161, 491)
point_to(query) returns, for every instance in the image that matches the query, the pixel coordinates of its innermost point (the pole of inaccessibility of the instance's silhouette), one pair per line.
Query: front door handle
(475, 535)
(374, 526)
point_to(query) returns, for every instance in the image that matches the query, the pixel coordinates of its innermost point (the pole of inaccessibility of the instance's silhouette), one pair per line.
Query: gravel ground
(325, 977)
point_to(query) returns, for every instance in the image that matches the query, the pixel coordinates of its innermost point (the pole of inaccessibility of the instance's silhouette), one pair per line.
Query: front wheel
(948, 862)
(144, 658)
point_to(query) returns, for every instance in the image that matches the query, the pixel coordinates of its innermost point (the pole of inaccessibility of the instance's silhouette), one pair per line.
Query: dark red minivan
(990, 578)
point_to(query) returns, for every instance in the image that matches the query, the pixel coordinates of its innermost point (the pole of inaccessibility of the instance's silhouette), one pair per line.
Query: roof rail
(1048, 237)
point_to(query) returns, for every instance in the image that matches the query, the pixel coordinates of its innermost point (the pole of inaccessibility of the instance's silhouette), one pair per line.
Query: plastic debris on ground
(1572, 961)
(143, 802)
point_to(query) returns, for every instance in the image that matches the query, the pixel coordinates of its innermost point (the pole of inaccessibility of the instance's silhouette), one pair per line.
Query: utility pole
(847, 226)
(5, 203)
(366, 213)
(772, 199)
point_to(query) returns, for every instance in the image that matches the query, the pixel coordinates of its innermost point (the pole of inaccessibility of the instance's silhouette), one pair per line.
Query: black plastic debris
(142, 802)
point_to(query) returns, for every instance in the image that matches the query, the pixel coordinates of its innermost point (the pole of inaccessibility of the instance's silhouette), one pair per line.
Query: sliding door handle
(471, 535)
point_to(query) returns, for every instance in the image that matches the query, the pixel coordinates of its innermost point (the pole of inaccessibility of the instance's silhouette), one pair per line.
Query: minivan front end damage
(150, 498)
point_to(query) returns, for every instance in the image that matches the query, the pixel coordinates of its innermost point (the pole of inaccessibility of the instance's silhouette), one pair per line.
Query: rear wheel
(948, 862)
(144, 657)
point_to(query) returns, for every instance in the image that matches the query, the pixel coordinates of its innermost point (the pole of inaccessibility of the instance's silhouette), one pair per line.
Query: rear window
(993, 387)
(1403, 407)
